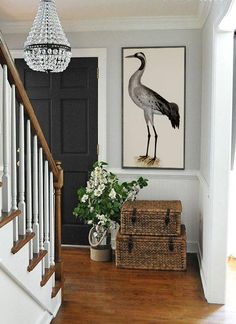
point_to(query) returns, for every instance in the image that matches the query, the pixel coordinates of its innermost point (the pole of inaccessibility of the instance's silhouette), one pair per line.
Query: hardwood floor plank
(97, 293)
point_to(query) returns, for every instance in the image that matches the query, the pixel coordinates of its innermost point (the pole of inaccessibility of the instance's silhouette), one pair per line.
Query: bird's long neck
(136, 77)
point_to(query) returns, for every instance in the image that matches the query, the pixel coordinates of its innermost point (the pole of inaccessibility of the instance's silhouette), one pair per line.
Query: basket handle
(171, 245)
(167, 220)
(133, 218)
(130, 244)
(92, 230)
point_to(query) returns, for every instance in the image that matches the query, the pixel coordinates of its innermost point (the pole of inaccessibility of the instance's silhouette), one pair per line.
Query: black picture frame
(166, 77)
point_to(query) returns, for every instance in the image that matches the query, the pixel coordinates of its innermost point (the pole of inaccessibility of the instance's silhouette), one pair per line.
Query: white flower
(101, 187)
(91, 209)
(112, 194)
(90, 222)
(101, 217)
(97, 192)
(90, 186)
(84, 198)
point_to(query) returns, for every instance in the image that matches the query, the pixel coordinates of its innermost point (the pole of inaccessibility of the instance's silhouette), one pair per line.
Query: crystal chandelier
(47, 48)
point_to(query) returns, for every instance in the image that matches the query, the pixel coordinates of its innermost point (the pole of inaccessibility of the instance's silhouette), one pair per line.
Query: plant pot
(101, 253)
(100, 250)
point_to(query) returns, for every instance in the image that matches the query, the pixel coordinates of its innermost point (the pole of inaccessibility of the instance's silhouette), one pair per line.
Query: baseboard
(57, 303)
(76, 246)
(202, 275)
(192, 247)
(46, 318)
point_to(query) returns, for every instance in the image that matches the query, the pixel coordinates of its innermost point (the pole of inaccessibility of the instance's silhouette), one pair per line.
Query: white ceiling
(17, 15)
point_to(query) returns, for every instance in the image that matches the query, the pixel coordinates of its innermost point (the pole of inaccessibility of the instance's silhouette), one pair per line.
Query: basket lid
(153, 206)
(159, 238)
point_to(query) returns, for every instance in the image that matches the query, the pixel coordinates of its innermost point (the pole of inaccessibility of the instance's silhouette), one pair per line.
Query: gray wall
(113, 41)
(162, 185)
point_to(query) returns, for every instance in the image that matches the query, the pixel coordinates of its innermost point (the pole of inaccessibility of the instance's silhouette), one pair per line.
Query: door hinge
(97, 72)
(98, 149)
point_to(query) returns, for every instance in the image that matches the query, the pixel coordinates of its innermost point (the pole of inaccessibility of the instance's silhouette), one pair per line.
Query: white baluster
(46, 216)
(52, 220)
(35, 197)
(41, 209)
(13, 164)
(29, 179)
(21, 204)
(6, 181)
(29, 186)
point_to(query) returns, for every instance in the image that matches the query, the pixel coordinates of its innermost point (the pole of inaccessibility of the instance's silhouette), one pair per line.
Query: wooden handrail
(22, 97)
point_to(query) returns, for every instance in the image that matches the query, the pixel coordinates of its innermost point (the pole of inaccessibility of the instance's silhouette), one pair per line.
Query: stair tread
(23, 239)
(37, 257)
(8, 217)
(56, 288)
(48, 273)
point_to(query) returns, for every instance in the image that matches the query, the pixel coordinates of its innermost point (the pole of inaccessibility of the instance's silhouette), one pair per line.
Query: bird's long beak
(130, 56)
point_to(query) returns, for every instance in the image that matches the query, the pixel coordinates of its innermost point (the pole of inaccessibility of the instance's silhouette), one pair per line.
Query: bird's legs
(155, 148)
(144, 157)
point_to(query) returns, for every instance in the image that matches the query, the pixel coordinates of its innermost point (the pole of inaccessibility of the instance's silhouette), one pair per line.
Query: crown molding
(122, 23)
(203, 11)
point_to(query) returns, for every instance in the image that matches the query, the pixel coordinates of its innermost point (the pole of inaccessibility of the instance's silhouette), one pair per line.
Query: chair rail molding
(101, 54)
(158, 173)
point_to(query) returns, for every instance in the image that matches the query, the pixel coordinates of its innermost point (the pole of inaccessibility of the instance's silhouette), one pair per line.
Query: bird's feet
(142, 157)
(153, 161)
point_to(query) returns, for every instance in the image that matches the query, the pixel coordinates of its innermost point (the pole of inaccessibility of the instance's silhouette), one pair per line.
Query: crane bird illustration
(151, 103)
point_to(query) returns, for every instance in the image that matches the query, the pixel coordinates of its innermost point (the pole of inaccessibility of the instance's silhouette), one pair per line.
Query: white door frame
(101, 54)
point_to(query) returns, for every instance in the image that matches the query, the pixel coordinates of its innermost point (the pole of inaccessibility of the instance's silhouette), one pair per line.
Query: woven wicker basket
(150, 252)
(151, 217)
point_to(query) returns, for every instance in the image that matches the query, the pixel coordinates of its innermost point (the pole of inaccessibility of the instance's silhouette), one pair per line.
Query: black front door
(66, 106)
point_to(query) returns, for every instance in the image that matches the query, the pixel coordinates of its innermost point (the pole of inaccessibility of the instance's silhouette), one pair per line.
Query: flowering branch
(101, 200)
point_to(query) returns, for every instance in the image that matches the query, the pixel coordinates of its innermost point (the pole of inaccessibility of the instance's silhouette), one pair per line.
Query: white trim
(182, 174)
(202, 275)
(45, 319)
(203, 183)
(76, 246)
(203, 11)
(23, 287)
(122, 23)
(192, 247)
(101, 54)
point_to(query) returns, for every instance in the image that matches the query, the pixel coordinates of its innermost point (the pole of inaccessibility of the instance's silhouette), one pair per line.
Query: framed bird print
(153, 91)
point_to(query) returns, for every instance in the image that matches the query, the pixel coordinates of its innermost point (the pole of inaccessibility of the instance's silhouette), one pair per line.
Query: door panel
(43, 111)
(75, 114)
(66, 106)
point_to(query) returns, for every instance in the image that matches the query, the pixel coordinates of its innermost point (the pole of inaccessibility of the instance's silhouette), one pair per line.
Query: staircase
(31, 272)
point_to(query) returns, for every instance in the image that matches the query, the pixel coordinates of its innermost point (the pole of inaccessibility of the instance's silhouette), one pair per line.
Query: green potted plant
(99, 204)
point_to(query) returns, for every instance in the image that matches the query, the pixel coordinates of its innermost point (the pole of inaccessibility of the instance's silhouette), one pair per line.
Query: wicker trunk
(147, 217)
(151, 252)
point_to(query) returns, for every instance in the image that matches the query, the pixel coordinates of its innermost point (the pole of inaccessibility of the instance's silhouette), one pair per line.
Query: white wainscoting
(177, 185)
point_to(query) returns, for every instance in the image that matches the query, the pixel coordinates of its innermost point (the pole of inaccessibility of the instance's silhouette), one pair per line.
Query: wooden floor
(100, 293)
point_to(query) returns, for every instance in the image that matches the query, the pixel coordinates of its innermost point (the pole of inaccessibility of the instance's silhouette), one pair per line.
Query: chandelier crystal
(47, 48)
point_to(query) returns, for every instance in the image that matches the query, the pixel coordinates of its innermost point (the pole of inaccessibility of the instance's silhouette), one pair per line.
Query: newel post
(58, 261)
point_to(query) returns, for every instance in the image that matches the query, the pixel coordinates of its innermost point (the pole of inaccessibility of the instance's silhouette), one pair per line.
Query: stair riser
(30, 279)
(6, 241)
(26, 310)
